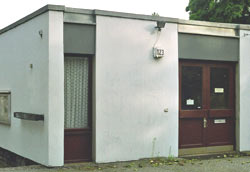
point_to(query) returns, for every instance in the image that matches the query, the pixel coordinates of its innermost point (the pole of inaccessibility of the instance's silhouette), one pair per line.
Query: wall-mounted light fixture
(157, 51)
(160, 25)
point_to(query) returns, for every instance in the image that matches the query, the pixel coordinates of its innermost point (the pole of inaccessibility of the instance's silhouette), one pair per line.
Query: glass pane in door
(191, 88)
(76, 92)
(219, 88)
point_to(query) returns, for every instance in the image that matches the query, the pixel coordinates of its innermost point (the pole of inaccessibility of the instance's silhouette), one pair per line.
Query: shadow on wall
(9, 159)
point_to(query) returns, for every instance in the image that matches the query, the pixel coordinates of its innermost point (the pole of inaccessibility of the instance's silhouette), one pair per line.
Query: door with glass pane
(206, 116)
(77, 117)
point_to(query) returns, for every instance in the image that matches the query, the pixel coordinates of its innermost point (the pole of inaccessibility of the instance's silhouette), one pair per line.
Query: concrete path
(222, 163)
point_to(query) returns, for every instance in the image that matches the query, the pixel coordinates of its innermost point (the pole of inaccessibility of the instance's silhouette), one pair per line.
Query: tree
(226, 11)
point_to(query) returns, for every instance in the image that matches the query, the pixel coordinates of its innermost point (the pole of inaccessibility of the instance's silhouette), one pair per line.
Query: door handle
(204, 123)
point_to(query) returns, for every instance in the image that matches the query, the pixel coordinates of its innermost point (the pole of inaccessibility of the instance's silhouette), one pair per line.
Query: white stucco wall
(56, 90)
(133, 89)
(33, 90)
(244, 92)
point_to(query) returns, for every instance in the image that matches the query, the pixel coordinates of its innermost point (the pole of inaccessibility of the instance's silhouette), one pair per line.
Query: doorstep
(206, 150)
(214, 155)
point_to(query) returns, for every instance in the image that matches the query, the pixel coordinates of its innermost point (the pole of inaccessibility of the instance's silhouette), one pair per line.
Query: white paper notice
(218, 90)
(190, 102)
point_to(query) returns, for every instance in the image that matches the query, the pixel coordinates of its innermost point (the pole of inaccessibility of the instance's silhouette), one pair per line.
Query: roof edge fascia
(33, 15)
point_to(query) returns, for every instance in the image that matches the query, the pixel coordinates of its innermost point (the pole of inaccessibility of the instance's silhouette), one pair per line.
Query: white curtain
(76, 90)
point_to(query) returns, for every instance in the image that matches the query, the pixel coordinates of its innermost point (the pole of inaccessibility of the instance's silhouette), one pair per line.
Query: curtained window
(76, 92)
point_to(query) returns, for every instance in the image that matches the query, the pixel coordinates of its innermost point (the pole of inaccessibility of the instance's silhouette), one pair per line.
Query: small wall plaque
(158, 52)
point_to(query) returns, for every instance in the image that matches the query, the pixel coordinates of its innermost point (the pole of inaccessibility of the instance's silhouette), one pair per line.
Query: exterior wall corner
(56, 90)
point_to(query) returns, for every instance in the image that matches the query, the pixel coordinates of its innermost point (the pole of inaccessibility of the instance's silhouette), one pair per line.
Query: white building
(84, 85)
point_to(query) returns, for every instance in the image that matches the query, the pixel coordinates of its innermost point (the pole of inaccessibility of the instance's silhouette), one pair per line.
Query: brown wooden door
(77, 117)
(206, 107)
(77, 145)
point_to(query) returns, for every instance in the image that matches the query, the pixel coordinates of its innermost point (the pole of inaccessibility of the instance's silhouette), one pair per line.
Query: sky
(13, 10)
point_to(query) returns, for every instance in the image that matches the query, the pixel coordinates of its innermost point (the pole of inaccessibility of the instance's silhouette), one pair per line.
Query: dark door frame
(206, 111)
(80, 132)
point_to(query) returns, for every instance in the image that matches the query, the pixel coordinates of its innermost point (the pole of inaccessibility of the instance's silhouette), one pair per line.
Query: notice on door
(189, 102)
(218, 90)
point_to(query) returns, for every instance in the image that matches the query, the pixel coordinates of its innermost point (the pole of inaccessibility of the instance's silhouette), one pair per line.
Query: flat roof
(123, 15)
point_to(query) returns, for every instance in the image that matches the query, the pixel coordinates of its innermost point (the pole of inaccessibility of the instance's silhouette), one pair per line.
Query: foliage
(227, 11)
(155, 14)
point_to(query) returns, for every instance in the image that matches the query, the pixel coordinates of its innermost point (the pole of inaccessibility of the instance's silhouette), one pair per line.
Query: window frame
(8, 121)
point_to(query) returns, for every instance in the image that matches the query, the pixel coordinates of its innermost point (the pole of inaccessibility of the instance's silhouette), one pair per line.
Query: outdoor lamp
(160, 25)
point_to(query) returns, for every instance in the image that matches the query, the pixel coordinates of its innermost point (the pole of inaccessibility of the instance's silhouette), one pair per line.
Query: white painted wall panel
(30, 88)
(56, 90)
(244, 91)
(133, 89)
(19, 48)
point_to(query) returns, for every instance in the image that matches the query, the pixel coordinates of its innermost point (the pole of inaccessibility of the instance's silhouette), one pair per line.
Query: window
(5, 108)
(76, 92)
(191, 87)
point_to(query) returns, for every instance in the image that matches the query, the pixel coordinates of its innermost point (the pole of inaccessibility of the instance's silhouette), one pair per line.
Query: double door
(206, 107)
